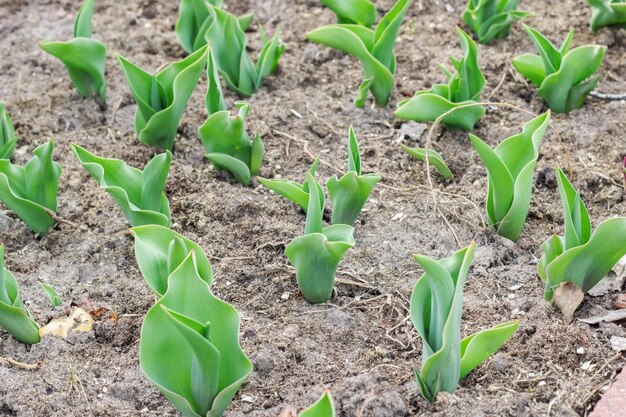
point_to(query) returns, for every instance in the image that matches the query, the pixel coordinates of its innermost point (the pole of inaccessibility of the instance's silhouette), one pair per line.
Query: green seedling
(317, 254)
(14, 317)
(162, 98)
(8, 139)
(214, 99)
(229, 147)
(324, 407)
(139, 194)
(436, 310)
(83, 57)
(510, 167)
(194, 18)
(293, 191)
(434, 158)
(353, 12)
(349, 194)
(373, 48)
(564, 77)
(579, 257)
(492, 19)
(607, 13)
(189, 346)
(461, 93)
(53, 296)
(31, 191)
(228, 42)
(159, 251)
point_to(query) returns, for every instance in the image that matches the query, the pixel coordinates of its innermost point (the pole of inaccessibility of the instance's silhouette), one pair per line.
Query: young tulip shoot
(434, 158)
(162, 98)
(436, 310)
(579, 257)
(354, 12)
(8, 139)
(324, 407)
(607, 13)
(492, 19)
(159, 251)
(14, 317)
(189, 346)
(229, 147)
(83, 57)
(228, 42)
(564, 77)
(53, 295)
(510, 167)
(373, 48)
(461, 93)
(194, 18)
(31, 191)
(349, 194)
(317, 254)
(293, 191)
(139, 194)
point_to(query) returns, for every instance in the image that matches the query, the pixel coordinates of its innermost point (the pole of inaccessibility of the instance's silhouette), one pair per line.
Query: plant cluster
(607, 13)
(492, 19)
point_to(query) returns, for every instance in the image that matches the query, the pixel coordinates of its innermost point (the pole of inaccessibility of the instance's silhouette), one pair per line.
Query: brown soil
(361, 344)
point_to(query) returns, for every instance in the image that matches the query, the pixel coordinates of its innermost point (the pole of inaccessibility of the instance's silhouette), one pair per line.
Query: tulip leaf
(214, 97)
(373, 49)
(8, 139)
(436, 310)
(607, 13)
(323, 407)
(31, 191)
(53, 296)
(457, 97)
(159, 251)
(162, 98)
(317, 254)
(83, 57)
(434, 158)
(510, 168)
(189, 346)
(14, 316)
(564, 77)
(358, 12)
(492, 19)
(349, 194)
(139, 194)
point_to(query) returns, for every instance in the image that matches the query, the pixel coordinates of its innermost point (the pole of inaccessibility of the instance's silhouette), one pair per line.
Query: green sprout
(580, 257)
(83, 57)
(349, 194)
(159, 251)
(31, 191)
(317, 254)
(436, 310)
(8, 139)
(194, 18)
(53, 295)
(324, 407)
(434, 158)
(492, 19)
(228, 42)
(225, 140)
(355, 12)
(162, 98)
(461, 93)
(14, 316)
(293, 191)
(139, 194)
(510, 167)
(607, 13)
(564, 77)
(373, 48)
(214, 99)
(189, 345)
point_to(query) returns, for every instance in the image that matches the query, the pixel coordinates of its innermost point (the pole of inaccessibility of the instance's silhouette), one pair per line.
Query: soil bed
(361, 344)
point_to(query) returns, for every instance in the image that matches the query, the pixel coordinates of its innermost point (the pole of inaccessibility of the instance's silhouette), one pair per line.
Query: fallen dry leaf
(567, 298)
(620, 301)
(615, 315)
(618, 343)
(288, 411)
(78, 321)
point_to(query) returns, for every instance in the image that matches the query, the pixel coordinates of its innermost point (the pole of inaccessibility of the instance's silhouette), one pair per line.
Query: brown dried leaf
(567, 298)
